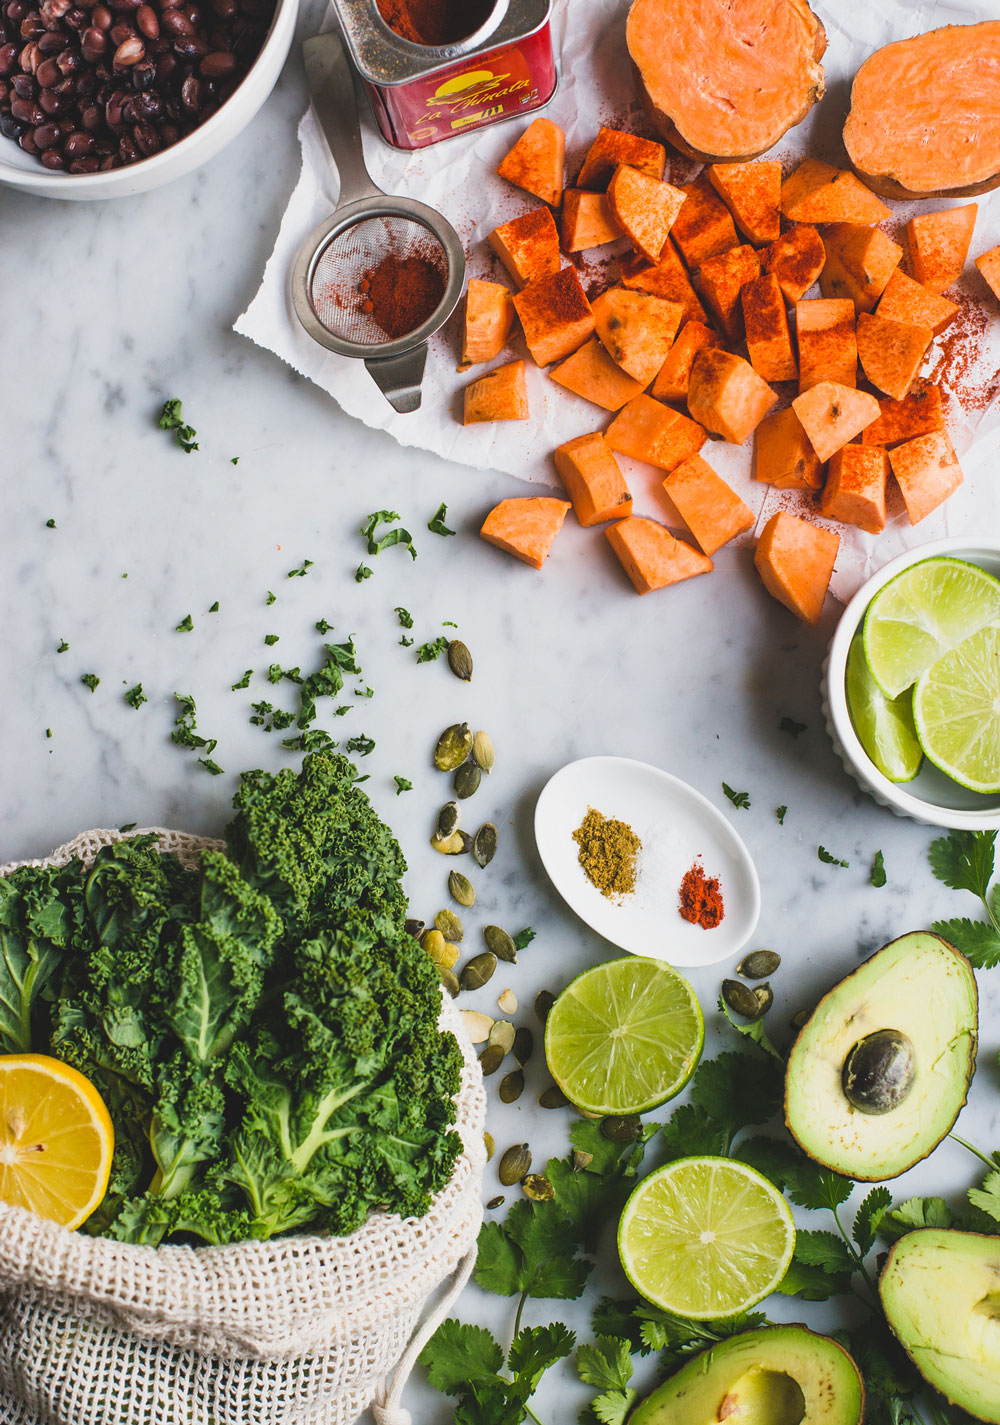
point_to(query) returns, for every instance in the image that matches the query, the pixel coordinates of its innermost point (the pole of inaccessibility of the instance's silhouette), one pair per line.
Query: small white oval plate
(676, 826)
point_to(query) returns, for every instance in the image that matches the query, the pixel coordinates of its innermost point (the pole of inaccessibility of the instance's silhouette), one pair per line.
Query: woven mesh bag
(295, 1331)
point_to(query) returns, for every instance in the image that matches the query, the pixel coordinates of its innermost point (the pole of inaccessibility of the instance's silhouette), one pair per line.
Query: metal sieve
(366, 227)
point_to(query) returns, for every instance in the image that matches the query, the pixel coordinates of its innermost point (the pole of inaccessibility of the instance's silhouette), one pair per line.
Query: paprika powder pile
(701, 898)
(434, 22)
(400, 293)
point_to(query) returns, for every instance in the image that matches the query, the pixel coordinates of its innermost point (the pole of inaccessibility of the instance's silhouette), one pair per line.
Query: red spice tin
(421, 94)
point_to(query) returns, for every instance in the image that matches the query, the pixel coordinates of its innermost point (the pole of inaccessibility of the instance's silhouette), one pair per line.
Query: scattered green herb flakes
(301, 571)
(50, 524)
(364, 692)
(377, 542)
(48, 732)
(171, 419)
(406, 642)
(738, 799)
(465, 1361)
(361, 573)
(135, 697)
(211, 766)
(523, 938)
(360, 744)
(780, 813)
(427, 652)
(185, 626)
(321, 626)
(63, 646)
(214, 608)
(402, 785)
(271, 598)
(964, 860)
(271, 639)
(234, 460)
(270, 718)
(828, 858)
(316, 739)
(789, 725)
(405, 618)
(448, 623)
(877, 874)
(339, 660)
(184, 733)
(90, 680)
(436, 523)
(244, 682)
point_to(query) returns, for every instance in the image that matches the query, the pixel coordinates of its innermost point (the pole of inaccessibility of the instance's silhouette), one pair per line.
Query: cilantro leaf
(458, 1355)
(788, 724)
(436, 523)
(889, 1376)
(780, 813)
(825, 1250)
(916, 1212)
(753, 1030)
(869, 1217)
(738, 1090)
(964, 860)
(427, 652)
(987, 1197)
(811, 1283)
(976, 939)
(828, 858)
(534, 1349)
(500, 1264)
(607, 1365)
(877, 873)
(611, 1317)
(738, 799)
(692, 1130)
(532, 1252)
(805, 1182)
(677, 1337)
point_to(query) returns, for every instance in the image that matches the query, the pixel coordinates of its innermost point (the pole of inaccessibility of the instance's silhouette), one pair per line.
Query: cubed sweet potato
(674, 376)
(587, 221)
(854, 492)
(721, 279)
(819, 193)
(927, 472)
(612, 147)
(499, 395)
(828, 349)
(727, 396)
(918, 413)
(651, 556)
(703, 227)
(833, 414)
(667, 278)
(591, 373)
(525, 527)
(859, 262)
(795, 560)
(939, 245)
(796, 259)
(593, 479)
(555, 315)
(528, 246)
(783, 453)
(489, 314)
(636, 329)
(989, 269)
(536, 161)
(645, 207)
(648, 430)
(712, 511)
(891, 353)
(906, 301)
(769, 340)
(752, 193)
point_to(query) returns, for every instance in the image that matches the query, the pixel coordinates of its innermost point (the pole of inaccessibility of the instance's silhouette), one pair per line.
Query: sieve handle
(331, 88)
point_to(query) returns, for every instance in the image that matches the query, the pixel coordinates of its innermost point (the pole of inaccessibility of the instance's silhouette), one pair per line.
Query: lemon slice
(56, 1139)
(956, 709)
(706, 1237)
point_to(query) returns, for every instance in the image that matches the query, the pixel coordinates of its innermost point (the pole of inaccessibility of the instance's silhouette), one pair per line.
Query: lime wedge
(956, 709)
(924, 612)
(624, 1036)
(884, 725)
(706, 1237)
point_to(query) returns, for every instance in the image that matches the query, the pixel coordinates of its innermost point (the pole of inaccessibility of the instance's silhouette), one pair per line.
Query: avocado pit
(763, 1397)
(879, 1072)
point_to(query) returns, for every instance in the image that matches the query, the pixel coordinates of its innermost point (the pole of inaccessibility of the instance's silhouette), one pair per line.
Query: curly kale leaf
(39, 912)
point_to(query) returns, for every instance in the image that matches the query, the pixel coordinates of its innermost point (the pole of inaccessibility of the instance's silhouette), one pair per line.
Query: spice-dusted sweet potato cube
(593, 479)
(489, 314)
(927, 472)
(769, 340)
(891, 353)
(906, 301)
(555, 315)
(939, 245)
(613, 147)
(721, 279)
(918, 413)
(703, 227)
(646, 208)
(819, 193)
(651, 556)
(854, 492)
(727, 396)
(712, 511)
(525, 527)
(859, 262)
(828, 348)
(783, 453)
(587, 221)
(752, 193)
(500, 395)
(648, 430)
(528, 246)
(796, 259)
(674, 376)
(833, 414)
(535, 163)
(795, 560)
(989, 268)
(591, 373)
(636, 329)
(667, 278)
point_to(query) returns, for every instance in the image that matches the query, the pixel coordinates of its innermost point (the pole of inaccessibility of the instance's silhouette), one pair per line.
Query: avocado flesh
(780, 1375)
(941, 1293)
(920, 986)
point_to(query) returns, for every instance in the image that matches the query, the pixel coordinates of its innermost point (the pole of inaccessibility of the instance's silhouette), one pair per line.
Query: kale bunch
(263, 1030)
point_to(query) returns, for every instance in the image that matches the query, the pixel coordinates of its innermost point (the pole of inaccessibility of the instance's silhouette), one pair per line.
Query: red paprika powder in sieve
(434, 22)
(400, 293)
(701, 898)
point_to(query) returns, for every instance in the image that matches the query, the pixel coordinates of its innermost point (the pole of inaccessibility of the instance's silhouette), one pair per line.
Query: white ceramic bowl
(21, 170)
(931, 797)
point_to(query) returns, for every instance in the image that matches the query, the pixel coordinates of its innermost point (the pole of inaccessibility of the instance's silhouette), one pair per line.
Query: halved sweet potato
(727, 396)
(674, 376)
(489, 314)
(500, 395)
(528, 246)
(828, 350)
(769, 341)
(535, 163)
(907, 301)
(636, 329)
(752, 193)
(927, 472)
(859, 262)
(648, 430)
(891, 353)
(795, 560)
(832, 415)
(645, 207)
(704, 225)
(651, 556)
(924, 121)
(939, 245)
(593, 479)
(712, 511)
(525, 528)
(587, 221)
(763, 58)
(854, 492)
(667, 278)
(783, 454)
(721, 279)
(796, 259)
(555, 315)
(591, 373)
(819, 193)
(918, 413)
(989, 269)
(614, 146)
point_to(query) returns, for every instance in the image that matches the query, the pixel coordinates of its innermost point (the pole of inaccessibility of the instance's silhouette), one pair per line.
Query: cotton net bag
(305, 1330)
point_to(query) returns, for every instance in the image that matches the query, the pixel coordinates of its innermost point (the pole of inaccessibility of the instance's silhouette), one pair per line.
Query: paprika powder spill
(400, 293)
(701, 898)
(434, 22)
(609, 850)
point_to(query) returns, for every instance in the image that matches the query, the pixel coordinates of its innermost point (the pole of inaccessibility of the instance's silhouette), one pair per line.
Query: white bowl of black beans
(105, 98)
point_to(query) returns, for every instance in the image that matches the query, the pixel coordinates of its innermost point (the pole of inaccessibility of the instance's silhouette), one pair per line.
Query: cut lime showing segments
(920, 615)
(706, 1237)
(884, 725)
(624, 1036)
(956, 709)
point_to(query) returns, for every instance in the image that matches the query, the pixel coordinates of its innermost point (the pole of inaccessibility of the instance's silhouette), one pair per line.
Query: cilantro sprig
(964, 860)
(738, 799)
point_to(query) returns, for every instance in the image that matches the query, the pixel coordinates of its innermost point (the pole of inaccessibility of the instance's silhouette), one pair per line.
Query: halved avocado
(780, 1375)
(940, 1290)
(882, 1066)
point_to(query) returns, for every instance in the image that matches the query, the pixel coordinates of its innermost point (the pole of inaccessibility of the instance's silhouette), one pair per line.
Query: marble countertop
(109, 309)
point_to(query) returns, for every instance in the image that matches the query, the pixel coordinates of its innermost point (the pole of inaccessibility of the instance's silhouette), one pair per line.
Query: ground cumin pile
(609, 850)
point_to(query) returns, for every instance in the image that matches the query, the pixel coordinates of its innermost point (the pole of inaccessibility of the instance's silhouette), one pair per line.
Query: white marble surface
(108, 309)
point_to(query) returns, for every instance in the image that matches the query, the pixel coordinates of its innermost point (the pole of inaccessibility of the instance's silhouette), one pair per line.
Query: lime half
(624, 1036)
(920, 615)
(706, 1237)
(956, 709)
(884, 725)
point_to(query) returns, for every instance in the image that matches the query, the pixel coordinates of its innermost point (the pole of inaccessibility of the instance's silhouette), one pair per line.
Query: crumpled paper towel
(596, 87)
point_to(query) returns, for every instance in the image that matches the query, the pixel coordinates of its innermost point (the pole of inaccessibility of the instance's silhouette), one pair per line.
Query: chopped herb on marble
(406, 642)
(48, 732)
(50, 524)
(405, 618)
(90, 680)
(361, 573)
(780, 814)
(436, 523)
(271, 598)
(135, 697)
(738, 799)
(361, 744)
(214, 608)
(828, 858)
(427, 652)
(171, 419)
(322, 626)
(315, 740)
(301, 571)
(270, 639)
(185, 626)
(211, 766)
(376, 542)
(63, 646)
(244, 682)
(185, 723)
(877, 875)
(364, 692)
(234, 460)
(402, 785)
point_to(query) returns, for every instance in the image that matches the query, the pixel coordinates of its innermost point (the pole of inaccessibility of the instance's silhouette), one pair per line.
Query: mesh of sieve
(335, 292)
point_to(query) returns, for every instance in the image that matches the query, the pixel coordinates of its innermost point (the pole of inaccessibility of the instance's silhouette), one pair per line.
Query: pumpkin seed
(514, 1164)
(621, 1128)
(452, 845)
(467, 780)
(460, 660)
(502, 1033)
(449, 925)
(450, 981)
(581, 1160)
(448, 818)
(466, 840)
(507, 1002)
(477, 1026)
(453, 747)
(484, 844)
(552, 1097)
(478, 971)
(740, 998)
(801, 1018)
(544, 1000)
(497, 1201)
(491, 1147)
(758, 964)
(452, 955)
(482, 751)
(764, 996)
(524, 1043)
(511, 1086)
(445, 956)
(432, 941)
(537, 1187)
(490, 1059)
(461, 889)
(414, 928)
(500, 943)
